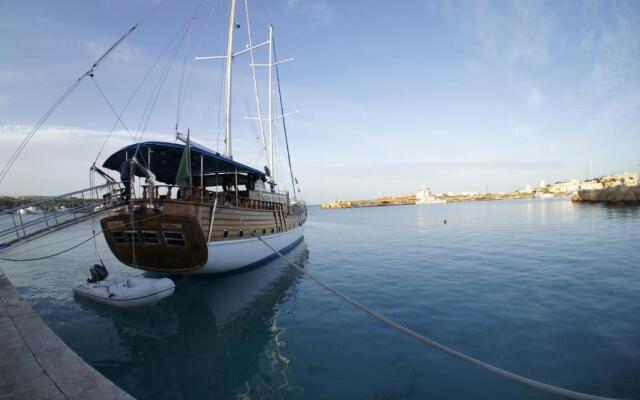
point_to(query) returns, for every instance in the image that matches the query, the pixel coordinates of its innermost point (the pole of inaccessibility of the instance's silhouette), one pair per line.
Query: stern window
(151, 237)
(174, 238)
(118, 237)
(132, 237)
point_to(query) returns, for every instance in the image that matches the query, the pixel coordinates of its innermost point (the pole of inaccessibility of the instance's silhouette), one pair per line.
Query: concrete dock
(36, 364)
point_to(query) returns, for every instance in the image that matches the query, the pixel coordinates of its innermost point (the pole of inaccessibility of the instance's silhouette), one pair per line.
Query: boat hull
(232, 255)
(126, 292)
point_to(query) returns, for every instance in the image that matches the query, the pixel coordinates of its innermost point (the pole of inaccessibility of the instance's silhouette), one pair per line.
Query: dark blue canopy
(165, 159)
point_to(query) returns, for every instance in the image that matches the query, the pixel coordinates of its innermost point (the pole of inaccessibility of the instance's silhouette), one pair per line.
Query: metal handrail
(208, 197)
(49, 199)
(83, 204)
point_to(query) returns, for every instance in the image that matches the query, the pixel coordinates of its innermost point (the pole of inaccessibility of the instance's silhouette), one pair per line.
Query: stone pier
(36, 364)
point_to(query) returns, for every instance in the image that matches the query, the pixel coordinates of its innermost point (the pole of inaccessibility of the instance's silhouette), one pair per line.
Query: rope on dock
(430, 342)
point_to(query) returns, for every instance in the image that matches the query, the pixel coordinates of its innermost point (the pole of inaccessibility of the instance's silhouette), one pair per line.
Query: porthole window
(132, 236)
(118, 237)
(225, 234)
(151, 237)
(174, 238)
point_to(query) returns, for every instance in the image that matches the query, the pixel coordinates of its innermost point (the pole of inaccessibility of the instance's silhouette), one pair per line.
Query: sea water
(544, 288)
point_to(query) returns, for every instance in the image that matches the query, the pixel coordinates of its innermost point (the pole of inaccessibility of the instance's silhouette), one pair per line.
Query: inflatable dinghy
(126, 292)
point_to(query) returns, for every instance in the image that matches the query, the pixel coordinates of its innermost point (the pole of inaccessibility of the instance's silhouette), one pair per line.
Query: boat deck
(36, 363)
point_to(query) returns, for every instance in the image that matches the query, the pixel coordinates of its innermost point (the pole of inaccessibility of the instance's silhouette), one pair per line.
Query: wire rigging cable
(284, 124)
(50, 255)
(438, 346)
(7, 167)
(137, 89)
(93, 235)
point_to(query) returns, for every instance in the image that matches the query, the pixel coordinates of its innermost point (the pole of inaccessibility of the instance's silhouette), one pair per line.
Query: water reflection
(211, 339)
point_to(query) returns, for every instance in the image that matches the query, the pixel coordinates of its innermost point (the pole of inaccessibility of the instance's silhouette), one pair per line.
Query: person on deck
(125, 177)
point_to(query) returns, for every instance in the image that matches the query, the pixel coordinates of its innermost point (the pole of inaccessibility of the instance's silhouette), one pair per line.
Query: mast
(271, 169)
(227, 90)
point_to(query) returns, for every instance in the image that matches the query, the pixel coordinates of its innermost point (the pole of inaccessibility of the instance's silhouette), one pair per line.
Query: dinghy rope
(438, 346)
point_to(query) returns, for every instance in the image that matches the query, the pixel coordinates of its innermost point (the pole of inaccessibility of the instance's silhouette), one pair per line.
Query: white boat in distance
(424, 197)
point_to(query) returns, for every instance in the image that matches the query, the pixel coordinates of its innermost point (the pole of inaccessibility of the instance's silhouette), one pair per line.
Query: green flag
(183, 177)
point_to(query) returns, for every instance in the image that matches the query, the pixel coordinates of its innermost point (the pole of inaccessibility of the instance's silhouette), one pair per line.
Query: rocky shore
(620, 194)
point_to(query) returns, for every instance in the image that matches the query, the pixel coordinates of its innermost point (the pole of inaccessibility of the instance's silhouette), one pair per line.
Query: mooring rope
(432, 343)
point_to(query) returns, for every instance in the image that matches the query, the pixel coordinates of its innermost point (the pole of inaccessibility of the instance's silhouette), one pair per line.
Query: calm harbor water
(544, 288)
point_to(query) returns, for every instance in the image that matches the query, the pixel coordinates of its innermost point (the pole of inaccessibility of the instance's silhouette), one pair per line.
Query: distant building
(591, 185)
(627, 178)
(568, 186)
(542, 183)
(527, 189)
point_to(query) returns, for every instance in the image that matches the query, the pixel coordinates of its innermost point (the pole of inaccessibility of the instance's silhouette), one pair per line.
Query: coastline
(410, 199)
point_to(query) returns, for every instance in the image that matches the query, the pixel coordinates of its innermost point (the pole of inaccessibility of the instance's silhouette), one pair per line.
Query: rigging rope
(7, 167)
(284, 124)
(135, 92)
(255, 80)
(50, 255)
(74, 246)
(438, 346)
(154, 97)
(182, 93)
(104, 97)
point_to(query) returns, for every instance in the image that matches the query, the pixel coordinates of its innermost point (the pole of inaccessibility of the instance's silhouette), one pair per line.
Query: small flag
(183, 177)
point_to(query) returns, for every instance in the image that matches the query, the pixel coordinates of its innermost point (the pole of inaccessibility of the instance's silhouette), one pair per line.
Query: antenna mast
(273, 173)
(228, 58)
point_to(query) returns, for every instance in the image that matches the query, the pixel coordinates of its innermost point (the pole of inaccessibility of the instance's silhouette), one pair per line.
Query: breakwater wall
(620, 194)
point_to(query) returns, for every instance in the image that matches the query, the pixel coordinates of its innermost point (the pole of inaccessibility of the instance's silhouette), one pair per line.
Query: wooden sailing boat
(199, 210)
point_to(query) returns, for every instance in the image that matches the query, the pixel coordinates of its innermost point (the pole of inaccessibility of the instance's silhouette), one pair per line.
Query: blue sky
(454, 95)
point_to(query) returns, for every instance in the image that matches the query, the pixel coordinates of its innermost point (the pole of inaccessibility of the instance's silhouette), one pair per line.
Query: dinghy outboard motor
(98, 273)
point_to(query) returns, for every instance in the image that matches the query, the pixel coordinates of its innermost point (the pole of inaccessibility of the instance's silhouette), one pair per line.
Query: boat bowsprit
(126, 291)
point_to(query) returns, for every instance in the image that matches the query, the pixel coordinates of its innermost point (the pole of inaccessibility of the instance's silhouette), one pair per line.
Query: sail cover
(165, 160)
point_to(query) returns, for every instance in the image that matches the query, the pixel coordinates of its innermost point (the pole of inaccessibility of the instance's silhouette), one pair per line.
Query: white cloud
(123, 52)
(535, 98)
(317, 10)
(514, 31)
(8, 75)
(525, 132)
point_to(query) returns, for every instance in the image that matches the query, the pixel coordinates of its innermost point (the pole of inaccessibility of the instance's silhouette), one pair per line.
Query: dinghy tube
(126, 291)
